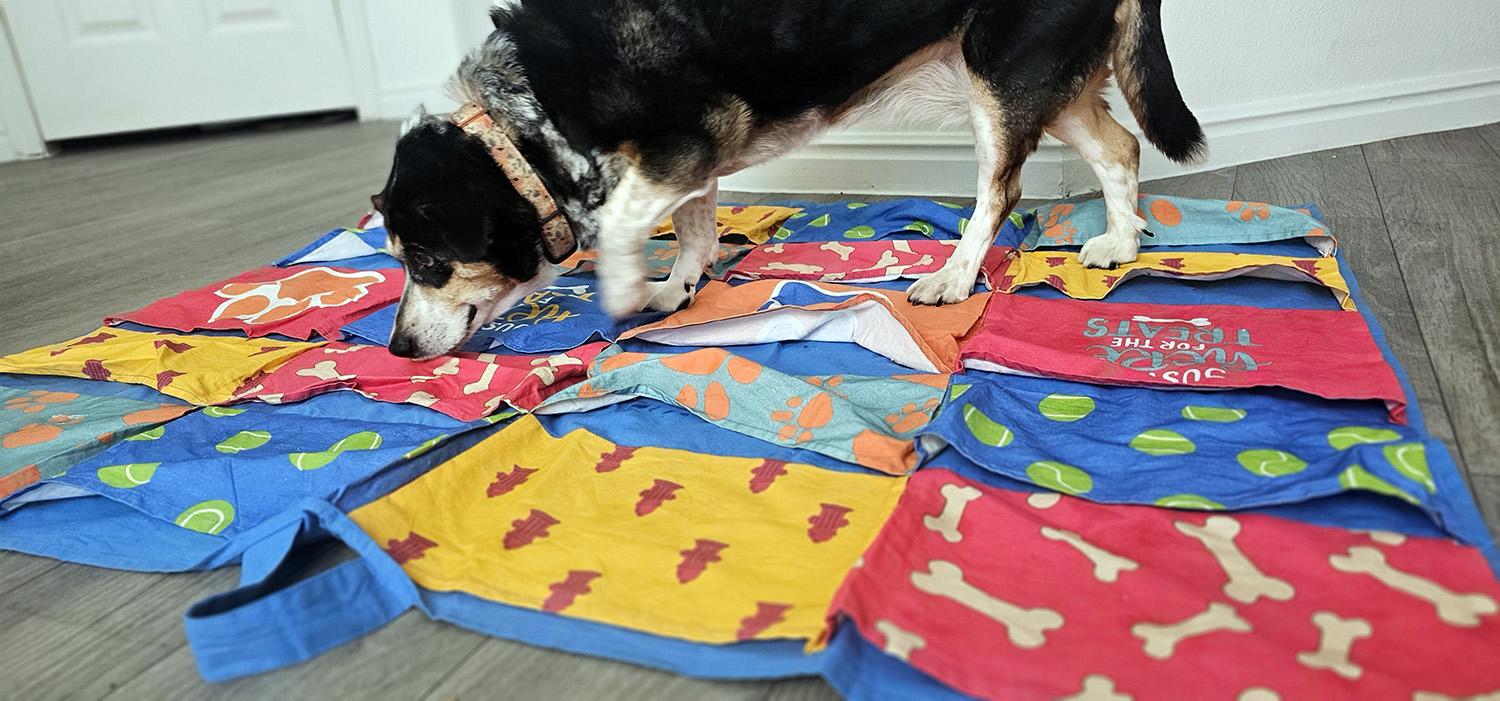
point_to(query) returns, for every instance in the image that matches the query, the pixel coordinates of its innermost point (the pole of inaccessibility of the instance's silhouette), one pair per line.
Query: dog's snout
(403, 346)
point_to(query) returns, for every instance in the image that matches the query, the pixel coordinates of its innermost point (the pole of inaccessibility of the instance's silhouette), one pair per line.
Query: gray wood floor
(110, 227)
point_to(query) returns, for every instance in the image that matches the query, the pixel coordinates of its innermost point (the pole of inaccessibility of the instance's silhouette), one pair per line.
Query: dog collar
(558, 241)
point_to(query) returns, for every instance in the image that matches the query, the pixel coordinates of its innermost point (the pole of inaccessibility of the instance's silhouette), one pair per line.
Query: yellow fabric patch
(701, 547)
(1062, 270)
(753, 223)
(203, 370)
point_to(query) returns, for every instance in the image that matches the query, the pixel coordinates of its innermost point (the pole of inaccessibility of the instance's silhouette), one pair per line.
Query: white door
(103, 66)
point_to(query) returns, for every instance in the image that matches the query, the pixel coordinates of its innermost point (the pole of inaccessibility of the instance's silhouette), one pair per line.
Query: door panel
(103, 66)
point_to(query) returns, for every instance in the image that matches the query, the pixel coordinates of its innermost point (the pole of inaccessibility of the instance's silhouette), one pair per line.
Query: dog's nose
(403, 346)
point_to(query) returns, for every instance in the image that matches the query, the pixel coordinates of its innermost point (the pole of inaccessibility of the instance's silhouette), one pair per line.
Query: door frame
(20, 132)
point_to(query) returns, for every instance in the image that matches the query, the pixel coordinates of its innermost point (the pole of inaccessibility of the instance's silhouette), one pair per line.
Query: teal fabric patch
(1177, 221)
(46, 431)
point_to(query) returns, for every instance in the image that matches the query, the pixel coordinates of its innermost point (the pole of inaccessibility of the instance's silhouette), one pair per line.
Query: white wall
(1267, 79)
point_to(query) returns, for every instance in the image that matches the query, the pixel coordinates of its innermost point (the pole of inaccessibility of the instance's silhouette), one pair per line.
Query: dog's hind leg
(697, 243)
(629, 215)
(1114, 154)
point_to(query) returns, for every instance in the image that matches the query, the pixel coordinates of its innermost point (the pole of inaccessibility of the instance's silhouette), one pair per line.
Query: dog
(588, 122)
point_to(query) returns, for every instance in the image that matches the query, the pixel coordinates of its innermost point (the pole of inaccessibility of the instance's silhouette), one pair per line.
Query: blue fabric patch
(103, 532)
(346, 248)
(893, 219)
(242, 468)
(1174, 221)
(1248, 448)
(561, 317)
(859, 671)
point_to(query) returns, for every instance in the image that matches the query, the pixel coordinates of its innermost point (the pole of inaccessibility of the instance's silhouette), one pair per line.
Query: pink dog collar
(558, 241)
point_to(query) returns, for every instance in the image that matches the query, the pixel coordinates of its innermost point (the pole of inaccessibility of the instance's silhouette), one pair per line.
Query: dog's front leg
(697, 242)
(629, 215)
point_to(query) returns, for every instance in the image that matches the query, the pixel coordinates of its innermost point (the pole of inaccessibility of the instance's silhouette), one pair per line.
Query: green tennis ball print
(782, 233)
(1410, 459)
(243, 441)
(958, 390)
(1356, 477)
(949, 205)
(1060, 477)
(1214, 414)
(1271, 463)
(210, 517)
(856, 205)
(128, 476)
(1349, 436)
(820, 222)
(219, 412)
(860, 232)
(985, 429)
(1160, 441)
(1189, 501)
(150, 435)
(1066, 407)
(920, 227)
(429, 445)
(364, 440)
(1018, 220)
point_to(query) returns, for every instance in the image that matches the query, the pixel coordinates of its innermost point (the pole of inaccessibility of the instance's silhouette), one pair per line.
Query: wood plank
(1457, 146)
(809, 689)
(1441, 218)
(1487, 493)
(1491, 134)
(17, 569)
(526, 672)
(1208, 185)
(1339, 182)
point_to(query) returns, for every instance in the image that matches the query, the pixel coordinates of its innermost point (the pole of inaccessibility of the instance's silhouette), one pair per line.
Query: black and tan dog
(589, 121)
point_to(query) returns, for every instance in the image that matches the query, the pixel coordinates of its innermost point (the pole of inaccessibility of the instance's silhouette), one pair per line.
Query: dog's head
(471, 244)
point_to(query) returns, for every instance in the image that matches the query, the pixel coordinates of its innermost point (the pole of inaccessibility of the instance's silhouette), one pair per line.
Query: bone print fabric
(297, 302)
(700, 547)
(919, 337)
(850, 262)
(1176, 221)
(200, 369)
(1062, 271)
(660, 257)
(1161, 604)
(465, 386)
(754, 224)
(1326, 353)
(46, 430)
(869, 421)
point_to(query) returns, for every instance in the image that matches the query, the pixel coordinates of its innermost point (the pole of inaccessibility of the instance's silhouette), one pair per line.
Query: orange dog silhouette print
(278, 300)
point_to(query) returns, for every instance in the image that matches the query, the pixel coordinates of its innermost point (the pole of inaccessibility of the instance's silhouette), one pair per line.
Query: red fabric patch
(849, 262)
(298, 302)
(465, 386)
(1194, 347)
(1003, 596)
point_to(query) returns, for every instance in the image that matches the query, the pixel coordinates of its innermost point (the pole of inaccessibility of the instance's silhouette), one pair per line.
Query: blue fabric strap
(266, 624)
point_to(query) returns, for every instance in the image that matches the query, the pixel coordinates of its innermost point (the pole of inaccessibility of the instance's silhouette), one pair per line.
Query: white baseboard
(398, 102)
(941, 163)
(10, 151)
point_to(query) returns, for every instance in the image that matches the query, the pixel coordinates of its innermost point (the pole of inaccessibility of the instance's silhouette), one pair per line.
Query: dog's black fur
(679, 89)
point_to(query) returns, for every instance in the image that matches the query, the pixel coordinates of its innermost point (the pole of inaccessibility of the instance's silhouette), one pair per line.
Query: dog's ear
(498, 14)
(417, 115)
(377, 202)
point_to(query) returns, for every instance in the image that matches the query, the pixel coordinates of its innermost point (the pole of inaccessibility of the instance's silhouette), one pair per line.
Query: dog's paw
(946, 286)
(668, 296)
(1109, 250)
(620, 301)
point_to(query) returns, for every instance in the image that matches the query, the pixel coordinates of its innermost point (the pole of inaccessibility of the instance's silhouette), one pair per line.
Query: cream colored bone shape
(955, 499)
(1162, 639)
(1027, 628)
(1246, 582)
(1336, 638)
(1107, 565)
(1460, 610)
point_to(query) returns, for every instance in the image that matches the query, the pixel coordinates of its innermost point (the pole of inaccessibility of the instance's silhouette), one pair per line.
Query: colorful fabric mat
(1188, 449)
(45, 430)
(661, 255)
(662, 541)
(1064, 272)
(360, 249)
(895, 219)
(465, 386)
(561, 317)
(1110, 601)
(859, 261)
(222, 470)
(1182, 346)
(753, 224)
(920, 337)
(299, 302)
(869, 421)
(203, 370)
(1178, 221)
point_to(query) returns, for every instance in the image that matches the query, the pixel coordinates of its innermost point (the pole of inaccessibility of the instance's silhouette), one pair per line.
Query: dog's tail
(1144, 74)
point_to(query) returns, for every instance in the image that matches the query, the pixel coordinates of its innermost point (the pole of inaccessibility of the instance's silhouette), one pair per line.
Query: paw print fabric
(1178, 221)
(742, 223)
(465, 386)
(699, 547)
(1180, 346)
(1156, 603)
(203, 370)
(299, 302)
(851, 262)
(868, 421)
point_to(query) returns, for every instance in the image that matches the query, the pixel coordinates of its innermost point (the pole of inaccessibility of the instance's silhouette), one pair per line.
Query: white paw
(946, 286)
(620, 300)
(668, 296)
(1109, 250)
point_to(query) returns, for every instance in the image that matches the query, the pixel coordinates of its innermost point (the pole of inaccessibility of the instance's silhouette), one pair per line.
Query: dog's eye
(421, 260)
